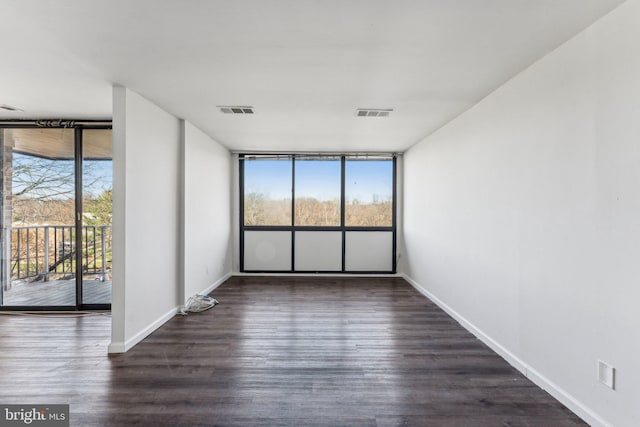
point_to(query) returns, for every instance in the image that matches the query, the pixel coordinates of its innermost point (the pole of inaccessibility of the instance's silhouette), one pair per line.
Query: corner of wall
(182, 297)
(540, 380)
(235, 213)
(119, 220)
(124, 346)
(138, 125)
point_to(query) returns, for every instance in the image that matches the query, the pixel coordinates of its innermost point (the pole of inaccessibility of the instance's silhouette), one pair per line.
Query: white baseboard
(540, 380)
(217, 283)
(123, 347)
(316, 274)
(566, 399)
(116, 347)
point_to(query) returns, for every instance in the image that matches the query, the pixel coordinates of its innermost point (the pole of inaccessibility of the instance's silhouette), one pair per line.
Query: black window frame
(78, 126)
(342, 228)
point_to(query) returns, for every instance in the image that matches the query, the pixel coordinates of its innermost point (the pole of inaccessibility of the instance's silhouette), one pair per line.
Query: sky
(365, 180)
(320, 179)
(97, 175)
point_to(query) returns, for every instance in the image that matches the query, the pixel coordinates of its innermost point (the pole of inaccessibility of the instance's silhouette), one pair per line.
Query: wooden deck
(277, 352)
(57, 293)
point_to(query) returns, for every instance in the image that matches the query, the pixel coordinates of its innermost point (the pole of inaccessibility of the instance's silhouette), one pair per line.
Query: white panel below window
(267, 250)
(369, 251)
(318, 251)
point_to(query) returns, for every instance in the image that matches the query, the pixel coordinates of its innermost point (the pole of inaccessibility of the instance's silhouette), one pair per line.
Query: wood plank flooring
(277, 352)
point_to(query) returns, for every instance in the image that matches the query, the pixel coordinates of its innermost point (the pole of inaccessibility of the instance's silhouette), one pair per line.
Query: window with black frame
(56, 215)
(332, 214)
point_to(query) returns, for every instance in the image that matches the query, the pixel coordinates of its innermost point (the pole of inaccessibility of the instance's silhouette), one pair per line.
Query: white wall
(145, 219)
(169, 180)
(207, 212)
(522, 217)
(235, 213)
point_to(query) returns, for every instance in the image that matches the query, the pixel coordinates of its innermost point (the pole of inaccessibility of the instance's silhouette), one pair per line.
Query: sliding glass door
(56, 217)
(97, 190)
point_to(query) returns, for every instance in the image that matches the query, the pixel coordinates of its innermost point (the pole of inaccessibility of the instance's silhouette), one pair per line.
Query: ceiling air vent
(9, 108)
(236, 109)
(373, 112)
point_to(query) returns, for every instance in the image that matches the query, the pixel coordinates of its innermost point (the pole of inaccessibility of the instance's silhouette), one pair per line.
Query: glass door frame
(79, 127)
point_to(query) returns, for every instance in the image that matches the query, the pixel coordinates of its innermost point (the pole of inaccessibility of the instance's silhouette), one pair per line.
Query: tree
(44, 190)
(37, 178)
(98, 210)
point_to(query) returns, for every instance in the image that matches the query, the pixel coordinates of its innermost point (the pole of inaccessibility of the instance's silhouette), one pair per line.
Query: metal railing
(42, 252)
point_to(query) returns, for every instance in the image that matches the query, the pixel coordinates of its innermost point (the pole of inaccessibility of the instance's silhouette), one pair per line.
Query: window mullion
(342, 190)
(293, 213)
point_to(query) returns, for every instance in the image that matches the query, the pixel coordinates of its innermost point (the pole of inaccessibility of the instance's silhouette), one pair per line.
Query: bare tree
(42, 179)
(44, 189)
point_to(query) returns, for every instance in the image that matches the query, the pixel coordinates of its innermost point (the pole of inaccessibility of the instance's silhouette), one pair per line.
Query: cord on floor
(197, 304)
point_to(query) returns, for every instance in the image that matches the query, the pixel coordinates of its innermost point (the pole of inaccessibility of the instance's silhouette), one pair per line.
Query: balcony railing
(43, 252)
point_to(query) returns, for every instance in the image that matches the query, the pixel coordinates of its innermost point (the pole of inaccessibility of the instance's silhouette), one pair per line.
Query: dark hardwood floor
(277, 352)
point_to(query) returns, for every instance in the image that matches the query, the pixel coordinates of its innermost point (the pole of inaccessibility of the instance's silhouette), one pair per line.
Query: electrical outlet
(606, 374)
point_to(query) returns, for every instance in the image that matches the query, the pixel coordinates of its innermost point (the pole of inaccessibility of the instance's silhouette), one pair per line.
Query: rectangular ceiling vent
(229, 109)
(9, 108)
(373, 112)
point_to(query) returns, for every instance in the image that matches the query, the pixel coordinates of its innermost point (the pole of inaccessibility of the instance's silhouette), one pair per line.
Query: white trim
(316, 274)
(566, 399)
(217, 283)
(495, 346)
(540, 380)
(116, 347)
(120, 347)
(182, 211)
(123, 347)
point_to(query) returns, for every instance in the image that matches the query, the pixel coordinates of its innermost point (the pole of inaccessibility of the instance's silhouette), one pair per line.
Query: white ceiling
(305, 65)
